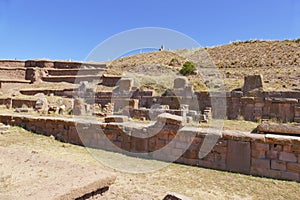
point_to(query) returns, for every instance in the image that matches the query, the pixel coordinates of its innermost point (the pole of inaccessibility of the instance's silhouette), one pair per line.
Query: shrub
(297, 40)
(188, 68)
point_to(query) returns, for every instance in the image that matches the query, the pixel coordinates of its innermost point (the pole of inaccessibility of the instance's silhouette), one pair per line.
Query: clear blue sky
(70, 29)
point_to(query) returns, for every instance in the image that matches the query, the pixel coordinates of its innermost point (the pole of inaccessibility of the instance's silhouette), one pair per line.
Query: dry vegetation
(277, 61)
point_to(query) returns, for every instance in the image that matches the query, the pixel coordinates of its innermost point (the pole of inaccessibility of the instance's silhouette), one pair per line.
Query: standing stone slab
(252, 82)
(238, 156)
(180, 82)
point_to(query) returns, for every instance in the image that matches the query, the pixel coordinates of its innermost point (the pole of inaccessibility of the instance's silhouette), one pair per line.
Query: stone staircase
(74, 73)
(4, 129)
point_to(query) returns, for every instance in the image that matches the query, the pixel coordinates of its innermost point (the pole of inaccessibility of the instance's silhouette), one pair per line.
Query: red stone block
(295, 167)
(289, 157)
(238, 156)
(220, 157)
(191, 154)
(272, 154)
(260, 146)
(260, 163)
(288, 148)
(290, 176)
(278, 165)
(258, 154)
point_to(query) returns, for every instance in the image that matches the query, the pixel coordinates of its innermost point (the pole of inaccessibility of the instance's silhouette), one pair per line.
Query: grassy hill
(277, 61)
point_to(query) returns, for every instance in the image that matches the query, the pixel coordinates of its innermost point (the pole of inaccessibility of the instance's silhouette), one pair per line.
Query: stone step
(78, 65)
(74, 72)
(71, 79)
(14, 81)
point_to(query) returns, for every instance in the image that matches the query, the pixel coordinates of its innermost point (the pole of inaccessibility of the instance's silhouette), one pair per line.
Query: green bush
(297, 40)
(188, 68)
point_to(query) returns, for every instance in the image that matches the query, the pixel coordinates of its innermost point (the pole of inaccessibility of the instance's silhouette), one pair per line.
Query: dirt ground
(34, 176)
(193, 182)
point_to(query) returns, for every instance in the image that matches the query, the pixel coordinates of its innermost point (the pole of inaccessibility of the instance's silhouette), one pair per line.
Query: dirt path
(35, 176)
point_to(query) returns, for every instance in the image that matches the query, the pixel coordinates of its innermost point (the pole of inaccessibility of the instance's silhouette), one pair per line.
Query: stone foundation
(265, 155)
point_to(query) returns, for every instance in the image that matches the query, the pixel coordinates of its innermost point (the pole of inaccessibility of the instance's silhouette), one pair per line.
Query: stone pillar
(79, 107)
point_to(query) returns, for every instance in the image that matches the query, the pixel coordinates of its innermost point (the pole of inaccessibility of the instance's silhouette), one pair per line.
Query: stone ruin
(258, 154)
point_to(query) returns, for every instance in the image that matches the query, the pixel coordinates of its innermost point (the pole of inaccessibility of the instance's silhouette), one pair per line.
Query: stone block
(79, 107)
(288, 148)
(290, 176)
(260, 146)
(125, 84)
(258, 154)
(278, 165)
(252, 82)
(295, 167)
(180, 82)
(166, 118)
(238, 156)
(260, 166)
(289, 157)
(116, 118)
(272, 154)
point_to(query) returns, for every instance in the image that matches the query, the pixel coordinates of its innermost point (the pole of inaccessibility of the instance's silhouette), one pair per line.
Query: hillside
(277, 61)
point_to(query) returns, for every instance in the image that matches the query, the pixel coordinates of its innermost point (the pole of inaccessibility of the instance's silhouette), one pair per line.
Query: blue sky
(71, 29)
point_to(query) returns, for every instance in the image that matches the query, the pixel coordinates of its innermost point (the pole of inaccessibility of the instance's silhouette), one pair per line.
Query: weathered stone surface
(180, 82)
(252, 82)
(41, 104)
(116, 118)
(258, 154)
(167, 118)
(79, 107)
(278, 128)
(289, 157)
(238, 156)
(295, 167)
(260, 166)
(125, 84)
(260, 146)
(272, 154)
(278, 165)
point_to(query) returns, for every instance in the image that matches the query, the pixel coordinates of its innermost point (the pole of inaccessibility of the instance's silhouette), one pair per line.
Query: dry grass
(277, 61)
(194, 182)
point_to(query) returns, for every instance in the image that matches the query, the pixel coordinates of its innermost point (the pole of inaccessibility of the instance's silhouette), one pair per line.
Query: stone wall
(62, 64)
(12, 63)
(265, 155)
(17, 103)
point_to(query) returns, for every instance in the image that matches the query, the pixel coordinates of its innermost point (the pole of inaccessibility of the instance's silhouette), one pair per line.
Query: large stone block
(295, 167)
(260, 166)
(167, 118)
(238, 156)
(278, 128)
(125, 84)
(116, 118)
(180, 82)
(79, 107)
(260, 146)
(289, 157)
(278, 165)
(252, 82)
